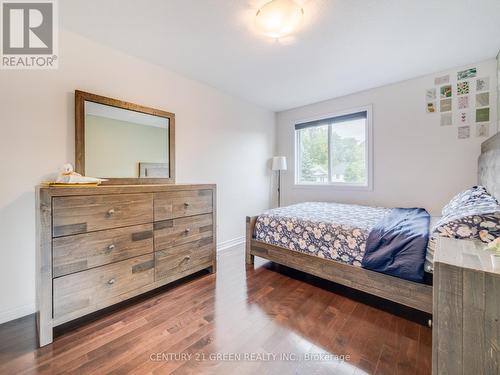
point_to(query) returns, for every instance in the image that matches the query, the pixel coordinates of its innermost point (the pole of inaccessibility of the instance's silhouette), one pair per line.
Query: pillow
(485, 227)
(471, 214)
(473, 197)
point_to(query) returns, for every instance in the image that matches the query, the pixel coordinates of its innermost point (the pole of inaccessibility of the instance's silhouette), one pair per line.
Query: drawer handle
(187, 257)
(187, 230)
(111, 247)
(186, 204)
(111, 211)
(111, 281)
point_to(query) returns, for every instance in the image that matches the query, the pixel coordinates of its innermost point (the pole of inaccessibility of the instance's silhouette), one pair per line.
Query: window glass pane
(313, 154)
(348, 152)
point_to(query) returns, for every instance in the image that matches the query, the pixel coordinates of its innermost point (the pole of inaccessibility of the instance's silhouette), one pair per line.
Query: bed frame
(404, 292)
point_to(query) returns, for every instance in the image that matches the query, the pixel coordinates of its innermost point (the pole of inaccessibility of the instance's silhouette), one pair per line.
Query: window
(334, 151)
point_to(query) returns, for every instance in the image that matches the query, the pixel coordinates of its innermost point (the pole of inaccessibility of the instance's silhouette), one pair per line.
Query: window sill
(338, 187)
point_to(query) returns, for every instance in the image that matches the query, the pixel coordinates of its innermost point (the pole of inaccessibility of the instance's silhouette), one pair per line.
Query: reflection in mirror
(120, 143)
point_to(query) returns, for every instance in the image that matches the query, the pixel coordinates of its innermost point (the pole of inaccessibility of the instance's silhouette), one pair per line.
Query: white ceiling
(344, 46)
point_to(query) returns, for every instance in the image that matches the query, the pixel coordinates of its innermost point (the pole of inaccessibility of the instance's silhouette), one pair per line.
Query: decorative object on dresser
(494, 249)
(67, 176)
(466, 311)
(101, 245)
(279, 164)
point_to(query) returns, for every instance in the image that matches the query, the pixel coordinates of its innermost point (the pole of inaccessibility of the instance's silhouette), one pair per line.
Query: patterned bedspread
(327, 230)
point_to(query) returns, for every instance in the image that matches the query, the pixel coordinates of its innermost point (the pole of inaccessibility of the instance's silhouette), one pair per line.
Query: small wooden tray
(59, 184)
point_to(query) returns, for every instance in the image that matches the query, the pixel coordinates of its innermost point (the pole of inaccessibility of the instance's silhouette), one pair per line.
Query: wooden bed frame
(404, 292)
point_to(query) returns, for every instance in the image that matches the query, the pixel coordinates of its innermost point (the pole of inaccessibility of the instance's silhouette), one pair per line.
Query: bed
(329, 240)
(340, 262)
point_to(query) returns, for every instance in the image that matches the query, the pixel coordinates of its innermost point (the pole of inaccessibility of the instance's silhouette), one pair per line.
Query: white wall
(219, 139)
(416, 161)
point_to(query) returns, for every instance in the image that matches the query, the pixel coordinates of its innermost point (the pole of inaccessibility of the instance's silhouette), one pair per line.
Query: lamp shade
(279, 163)
(278, 18)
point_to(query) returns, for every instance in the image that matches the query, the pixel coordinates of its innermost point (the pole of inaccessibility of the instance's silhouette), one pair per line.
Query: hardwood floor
(240, 310)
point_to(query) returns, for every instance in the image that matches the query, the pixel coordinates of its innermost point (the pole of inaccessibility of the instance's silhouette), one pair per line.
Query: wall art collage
(464, 103)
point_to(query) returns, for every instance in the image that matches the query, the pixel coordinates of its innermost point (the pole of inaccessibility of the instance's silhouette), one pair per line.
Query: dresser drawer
(74, 215)
(182, 230)
(83, 251)
(169, 205)
(179, 259)
(83, 292)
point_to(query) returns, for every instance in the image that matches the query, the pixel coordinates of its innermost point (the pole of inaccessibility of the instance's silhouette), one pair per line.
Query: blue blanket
(397, 244)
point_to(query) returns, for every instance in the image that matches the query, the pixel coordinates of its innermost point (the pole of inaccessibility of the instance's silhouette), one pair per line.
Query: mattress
(332, 231)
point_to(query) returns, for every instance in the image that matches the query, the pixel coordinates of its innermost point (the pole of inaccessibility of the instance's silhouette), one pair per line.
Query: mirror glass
(120, 143)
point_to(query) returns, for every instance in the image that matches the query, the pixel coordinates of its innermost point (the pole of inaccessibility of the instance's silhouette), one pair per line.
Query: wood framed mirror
(123, 142)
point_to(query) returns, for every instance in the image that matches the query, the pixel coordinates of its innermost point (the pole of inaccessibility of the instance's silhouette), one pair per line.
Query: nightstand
(466, 309)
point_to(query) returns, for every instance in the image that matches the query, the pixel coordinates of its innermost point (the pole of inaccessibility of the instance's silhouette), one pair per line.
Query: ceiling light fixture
(279, 18)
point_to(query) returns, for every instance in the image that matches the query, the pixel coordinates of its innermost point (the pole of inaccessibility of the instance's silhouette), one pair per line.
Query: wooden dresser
(97, 246)
(466, 316)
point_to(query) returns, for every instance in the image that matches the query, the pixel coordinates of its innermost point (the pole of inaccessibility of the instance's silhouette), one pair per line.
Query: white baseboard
(230, 243)
(16, 312)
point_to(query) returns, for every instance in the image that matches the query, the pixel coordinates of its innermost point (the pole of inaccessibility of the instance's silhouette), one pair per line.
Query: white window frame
(369, 153)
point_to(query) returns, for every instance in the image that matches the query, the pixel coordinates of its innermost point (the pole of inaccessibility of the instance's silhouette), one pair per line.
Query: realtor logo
(29, 34)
